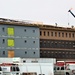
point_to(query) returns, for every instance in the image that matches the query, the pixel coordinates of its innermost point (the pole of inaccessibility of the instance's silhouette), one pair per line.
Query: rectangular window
(51, 33)
(44, 33)
(73, 35)
(55, 33)
(48, 33)
(25, 30)
(59, 34)
(62, 34)
(10, 31)
(3, 29)
(40, 33)
(69, 34)
(33, 31)
(3, 52)
(10, 42)
(3, 41)
(66, 34)
(33, 41)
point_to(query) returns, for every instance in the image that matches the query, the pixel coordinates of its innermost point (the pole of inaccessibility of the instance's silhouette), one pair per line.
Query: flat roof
(4, 21)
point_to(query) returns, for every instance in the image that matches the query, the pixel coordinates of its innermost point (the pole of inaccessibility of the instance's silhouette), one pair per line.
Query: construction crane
(71, 13)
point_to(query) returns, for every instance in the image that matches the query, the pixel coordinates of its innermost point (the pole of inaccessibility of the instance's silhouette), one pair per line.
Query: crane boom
(71, 13)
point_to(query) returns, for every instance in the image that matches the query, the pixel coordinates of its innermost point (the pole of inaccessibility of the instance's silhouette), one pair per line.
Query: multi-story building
(24, 39)
(18, 39)
(57, 42)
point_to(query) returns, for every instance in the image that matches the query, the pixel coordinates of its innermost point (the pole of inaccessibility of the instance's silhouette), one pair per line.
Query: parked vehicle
(9, 69)
(64, 68)
(27, 66)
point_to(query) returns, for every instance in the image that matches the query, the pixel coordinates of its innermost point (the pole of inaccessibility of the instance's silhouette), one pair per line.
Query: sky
(42, 11)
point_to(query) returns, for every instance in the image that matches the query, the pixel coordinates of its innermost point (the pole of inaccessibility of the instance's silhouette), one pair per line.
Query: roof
(16, 22)
(56, 28)
(31, 23)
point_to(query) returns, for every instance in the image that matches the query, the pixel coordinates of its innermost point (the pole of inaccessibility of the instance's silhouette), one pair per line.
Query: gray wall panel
(25, 39)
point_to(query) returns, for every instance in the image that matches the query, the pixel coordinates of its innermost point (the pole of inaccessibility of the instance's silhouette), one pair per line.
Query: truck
(9, 69)
(37, 68)
(64, 68)
(27, 66)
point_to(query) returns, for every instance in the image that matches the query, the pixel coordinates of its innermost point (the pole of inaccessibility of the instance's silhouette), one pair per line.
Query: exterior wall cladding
(19, 41)
(36, 41)
(57, 43)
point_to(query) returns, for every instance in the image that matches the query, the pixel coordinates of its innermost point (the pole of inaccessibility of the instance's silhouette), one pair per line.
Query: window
(48, 51)
(63, 52)
(25, 41)
(33, 52)
(3, 41)
(40, 33)
(3, 29)
(66, 52)
(44, 33)
(62, 68)
(51, 33)
(25, 52)
(69, 42)
(73, 35)
(62, 34)
(3, 52)
(10, 42)
(33, 41)
(66, 34)
(55, 33)
(44, 51)
(58, 68)
(69, 34)
(25, 30)
(70, 52)
(66, 42)
(33, 31)
(48, 33)
(10, 31)
(59, 34)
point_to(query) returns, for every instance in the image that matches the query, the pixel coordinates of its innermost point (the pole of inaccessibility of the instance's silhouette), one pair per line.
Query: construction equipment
(71, 12)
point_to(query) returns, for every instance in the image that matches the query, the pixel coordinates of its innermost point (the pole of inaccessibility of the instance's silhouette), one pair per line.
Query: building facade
(28, 40)
(18, 40)
(57, 42)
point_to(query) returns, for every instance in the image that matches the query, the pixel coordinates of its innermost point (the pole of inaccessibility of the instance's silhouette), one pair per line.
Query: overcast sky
(46, 11)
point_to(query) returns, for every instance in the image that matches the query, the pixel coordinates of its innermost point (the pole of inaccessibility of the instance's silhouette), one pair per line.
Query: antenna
(56, 24)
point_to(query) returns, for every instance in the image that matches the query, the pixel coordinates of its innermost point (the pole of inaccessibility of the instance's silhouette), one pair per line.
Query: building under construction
(30, 40)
